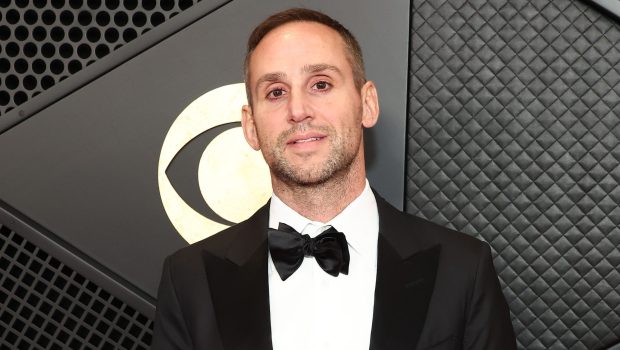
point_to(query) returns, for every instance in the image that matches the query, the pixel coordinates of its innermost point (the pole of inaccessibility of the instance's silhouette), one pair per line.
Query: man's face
(306, 114)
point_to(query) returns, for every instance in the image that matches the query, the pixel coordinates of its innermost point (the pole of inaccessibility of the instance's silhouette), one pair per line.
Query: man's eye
(321, 85)
(275, 93)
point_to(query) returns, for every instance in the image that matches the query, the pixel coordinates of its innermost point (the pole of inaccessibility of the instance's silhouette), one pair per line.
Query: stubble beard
(340, 158)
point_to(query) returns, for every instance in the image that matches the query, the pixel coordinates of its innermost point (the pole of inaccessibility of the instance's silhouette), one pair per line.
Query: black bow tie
(288, 248)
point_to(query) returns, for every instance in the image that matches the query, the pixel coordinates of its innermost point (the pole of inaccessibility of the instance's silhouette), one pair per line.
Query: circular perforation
(45, 41)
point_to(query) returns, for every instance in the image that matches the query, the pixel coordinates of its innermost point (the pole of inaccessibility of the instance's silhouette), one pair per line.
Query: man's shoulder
(219, 243)
(443, 234)
(460, 256)
(415, 230)
(455, 245)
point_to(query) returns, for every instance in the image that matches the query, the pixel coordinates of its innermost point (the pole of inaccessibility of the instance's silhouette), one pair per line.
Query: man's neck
(321, 202)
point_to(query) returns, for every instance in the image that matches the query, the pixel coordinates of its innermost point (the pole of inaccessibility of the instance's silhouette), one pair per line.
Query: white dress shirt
(313, 310)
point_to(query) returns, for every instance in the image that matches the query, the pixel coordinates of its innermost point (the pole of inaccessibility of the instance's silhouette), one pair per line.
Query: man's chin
(304, 178)
(310, 172)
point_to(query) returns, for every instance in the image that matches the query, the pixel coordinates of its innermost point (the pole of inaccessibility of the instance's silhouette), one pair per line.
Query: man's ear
(249, 128)
(370, 105)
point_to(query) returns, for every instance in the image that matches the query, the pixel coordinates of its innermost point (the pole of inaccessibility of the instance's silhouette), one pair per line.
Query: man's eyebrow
(270, 77)
(320, 67)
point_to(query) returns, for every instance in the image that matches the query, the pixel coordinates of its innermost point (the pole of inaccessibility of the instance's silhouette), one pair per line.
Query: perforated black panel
(45, 41)
(47, 305)
(514, 136)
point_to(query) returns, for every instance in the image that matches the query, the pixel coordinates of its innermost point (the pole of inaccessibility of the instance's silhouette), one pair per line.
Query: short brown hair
(306, 15)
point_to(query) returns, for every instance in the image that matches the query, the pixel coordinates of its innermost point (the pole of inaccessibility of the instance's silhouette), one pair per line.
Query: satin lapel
(239, 286)
(406, 270)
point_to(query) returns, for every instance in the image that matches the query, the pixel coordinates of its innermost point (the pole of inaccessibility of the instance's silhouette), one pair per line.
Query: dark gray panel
(514, 136)
(85, 167)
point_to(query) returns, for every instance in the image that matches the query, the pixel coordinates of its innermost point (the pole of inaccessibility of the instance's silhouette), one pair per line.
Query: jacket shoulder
(407, 230)
(219, 243)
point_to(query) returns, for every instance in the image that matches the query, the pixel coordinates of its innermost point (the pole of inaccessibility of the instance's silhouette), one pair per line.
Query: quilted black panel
(514, 136)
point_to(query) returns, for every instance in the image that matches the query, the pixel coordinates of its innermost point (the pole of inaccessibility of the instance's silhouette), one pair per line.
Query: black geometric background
(514, 136)
(44, 41)
(46, 304)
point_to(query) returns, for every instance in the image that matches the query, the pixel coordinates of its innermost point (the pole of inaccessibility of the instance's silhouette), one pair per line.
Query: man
(397, 282)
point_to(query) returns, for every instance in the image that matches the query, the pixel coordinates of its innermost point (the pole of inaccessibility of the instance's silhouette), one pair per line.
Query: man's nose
(299, 108)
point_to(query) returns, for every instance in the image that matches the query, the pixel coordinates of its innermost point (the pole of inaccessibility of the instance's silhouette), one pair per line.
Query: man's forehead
(303, 27)
(296, 36)
(299, 35)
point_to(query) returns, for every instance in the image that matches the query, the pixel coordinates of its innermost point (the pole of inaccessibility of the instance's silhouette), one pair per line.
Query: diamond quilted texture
(514, 136)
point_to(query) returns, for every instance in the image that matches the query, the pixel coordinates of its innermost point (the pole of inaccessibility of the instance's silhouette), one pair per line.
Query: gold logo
(232, 179)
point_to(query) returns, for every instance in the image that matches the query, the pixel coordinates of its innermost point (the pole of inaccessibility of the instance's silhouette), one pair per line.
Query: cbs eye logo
(209, 178)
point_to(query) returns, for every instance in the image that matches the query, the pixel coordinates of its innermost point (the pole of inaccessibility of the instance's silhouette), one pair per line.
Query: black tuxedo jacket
(436, 289)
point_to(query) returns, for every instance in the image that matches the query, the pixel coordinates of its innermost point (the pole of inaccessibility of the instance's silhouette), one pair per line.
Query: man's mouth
(305, 139)
(310, 139)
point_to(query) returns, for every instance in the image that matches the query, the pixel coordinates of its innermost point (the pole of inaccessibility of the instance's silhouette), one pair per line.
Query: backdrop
(499, 119)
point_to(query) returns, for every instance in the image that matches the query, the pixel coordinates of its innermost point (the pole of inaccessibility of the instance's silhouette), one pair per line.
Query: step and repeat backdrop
(120, 143)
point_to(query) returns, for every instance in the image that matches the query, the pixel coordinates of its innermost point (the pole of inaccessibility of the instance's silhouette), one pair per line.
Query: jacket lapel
(237, 275)
(406, 270)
